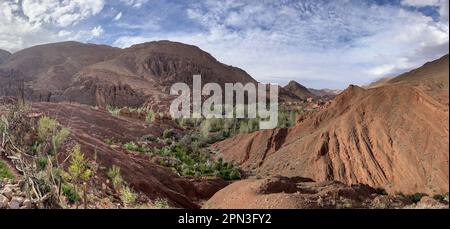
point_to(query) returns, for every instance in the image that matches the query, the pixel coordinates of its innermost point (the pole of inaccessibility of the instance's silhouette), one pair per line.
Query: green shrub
(4, 124)
(115, 177)
(234, 174)
(243, 128)
(160, 204)
(109, 142)
(127, 196)
(149, 137)
(79, 167)
(196, 146)
(150, 117)
(4, 171)
(416, 197)
(35, 148)
(115, 111)
(135, 147)
(400, 194)
(70, 193)
(59, 138)
(46, 127)
(143, 149)
(439, 198)
(182, 122)
(253, 125)
(381, 191)
(131, 146)
(42, 162)
(191, 163)
(168, 133)
(215, 137)
(287, 117)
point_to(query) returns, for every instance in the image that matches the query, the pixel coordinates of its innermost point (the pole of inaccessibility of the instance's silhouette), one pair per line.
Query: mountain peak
(172, 48)
(294, 83)
(299, 90)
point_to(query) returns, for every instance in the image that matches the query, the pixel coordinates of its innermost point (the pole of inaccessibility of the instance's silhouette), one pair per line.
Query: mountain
(394, 137)
(146, 72)
(299, 90)
(379, 82)
(431, 74)
(103, 75)
(47, 70)
(432, 78)
(3, 56)
(324, 92)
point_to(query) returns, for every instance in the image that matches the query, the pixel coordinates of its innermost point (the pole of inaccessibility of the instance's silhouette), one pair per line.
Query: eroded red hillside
(395, 137)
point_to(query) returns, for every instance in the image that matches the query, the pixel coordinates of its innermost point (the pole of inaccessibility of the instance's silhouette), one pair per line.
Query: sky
(319, 43)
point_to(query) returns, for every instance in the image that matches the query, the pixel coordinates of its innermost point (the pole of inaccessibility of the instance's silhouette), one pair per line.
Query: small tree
(79, 170)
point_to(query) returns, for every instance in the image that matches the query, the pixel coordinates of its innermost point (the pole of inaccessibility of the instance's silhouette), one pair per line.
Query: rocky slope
(92, 129)
(394, 137)
(303, 193)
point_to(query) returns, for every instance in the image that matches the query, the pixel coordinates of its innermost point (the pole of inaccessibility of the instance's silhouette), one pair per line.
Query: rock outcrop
(301, 193)
(12, 196)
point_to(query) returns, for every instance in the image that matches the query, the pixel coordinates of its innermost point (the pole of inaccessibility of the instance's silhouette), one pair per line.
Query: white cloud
(134, 3)
(444, 10)
(60, 13)
(31, 22)
(127, 41)
(118, 16)
(319, 43)
(81, 35)
(17, 32)
(97, 31)
(334, 44)
(64, 33)
(442, 4)
(421, 3)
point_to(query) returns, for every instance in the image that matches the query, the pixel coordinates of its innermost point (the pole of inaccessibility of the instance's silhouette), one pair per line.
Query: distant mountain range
(103, 75)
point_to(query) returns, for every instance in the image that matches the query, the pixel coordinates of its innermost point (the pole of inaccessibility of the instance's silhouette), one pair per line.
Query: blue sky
(321, 44)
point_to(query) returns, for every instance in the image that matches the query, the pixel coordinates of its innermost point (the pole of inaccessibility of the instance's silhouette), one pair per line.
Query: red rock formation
(395, 137)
